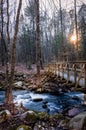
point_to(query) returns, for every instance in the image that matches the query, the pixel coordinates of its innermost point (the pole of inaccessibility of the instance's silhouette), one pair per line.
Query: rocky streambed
(45, 102)
(44, 111)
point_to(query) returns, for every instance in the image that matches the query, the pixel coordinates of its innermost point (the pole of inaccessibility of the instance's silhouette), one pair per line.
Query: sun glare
(73, 38)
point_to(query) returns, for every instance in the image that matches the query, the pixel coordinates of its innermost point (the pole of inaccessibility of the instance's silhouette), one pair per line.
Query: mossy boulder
(43, 116)
(24, 127)
(4, 115)
(78, 122)
(58, 116)
(31, 117)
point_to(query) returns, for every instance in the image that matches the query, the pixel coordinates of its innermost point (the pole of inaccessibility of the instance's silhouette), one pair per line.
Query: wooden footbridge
(71, 71)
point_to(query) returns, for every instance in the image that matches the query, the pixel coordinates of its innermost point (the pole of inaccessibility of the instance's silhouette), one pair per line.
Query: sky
(65, 3)
(51, 5)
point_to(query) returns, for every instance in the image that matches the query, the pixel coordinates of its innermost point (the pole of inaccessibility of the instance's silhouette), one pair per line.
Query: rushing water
(55, 103)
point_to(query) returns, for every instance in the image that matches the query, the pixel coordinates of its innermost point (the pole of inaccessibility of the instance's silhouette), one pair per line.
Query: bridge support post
(85, 75)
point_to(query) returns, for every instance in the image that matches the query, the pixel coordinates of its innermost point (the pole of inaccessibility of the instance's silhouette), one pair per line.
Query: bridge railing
(71, 71)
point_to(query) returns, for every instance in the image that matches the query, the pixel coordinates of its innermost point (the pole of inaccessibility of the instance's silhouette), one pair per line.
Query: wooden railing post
(75, 75)
(85, 75)
(58, 70)
(49, 68)
(55, 66)
(62, 67)
(67, 73)
(82, 68)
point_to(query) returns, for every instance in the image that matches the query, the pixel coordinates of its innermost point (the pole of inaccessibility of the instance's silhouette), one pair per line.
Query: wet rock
(44, 106)
(4, 115)
(60, 90)
(24, 127)
(38, 127)
(73, 112)
(2, 84)
(51, 128)
(37, 99)
(63, 124)
(78, 122)
(75, 98)
(39, 90)
(2, 88)
(19, 83)
(45, 102)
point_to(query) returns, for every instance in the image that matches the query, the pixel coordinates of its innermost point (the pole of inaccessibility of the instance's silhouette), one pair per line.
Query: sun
(73, 38)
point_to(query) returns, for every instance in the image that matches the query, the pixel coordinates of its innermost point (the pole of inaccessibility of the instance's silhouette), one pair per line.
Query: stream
(54, 103)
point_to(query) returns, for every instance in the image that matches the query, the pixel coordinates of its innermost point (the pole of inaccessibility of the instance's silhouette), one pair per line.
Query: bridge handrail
(76, 67)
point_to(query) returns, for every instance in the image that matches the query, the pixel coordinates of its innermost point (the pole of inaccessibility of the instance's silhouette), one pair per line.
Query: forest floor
(20, 68)
(29, 73)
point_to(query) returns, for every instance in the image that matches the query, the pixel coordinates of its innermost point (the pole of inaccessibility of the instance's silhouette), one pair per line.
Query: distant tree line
(50, 35)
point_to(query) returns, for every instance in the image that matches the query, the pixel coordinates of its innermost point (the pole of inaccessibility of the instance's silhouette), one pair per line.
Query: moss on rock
(31, 117)
(43, 115)
(4, 115)
(24, 127)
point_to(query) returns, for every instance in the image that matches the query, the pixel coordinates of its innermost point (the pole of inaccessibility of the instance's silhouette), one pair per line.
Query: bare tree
(9, 97)
(2, 35)
(38, 47)
(7, 52)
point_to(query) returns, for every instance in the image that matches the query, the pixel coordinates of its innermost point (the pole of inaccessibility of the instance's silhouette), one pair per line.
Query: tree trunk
(7, 52)
(62, 36)
(9, 98)
(38, 47)
(2, 44)
(76, 29)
